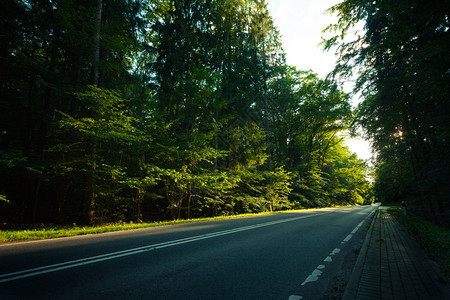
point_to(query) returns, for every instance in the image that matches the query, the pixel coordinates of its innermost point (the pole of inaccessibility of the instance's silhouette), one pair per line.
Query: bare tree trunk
(36, 198)
(96, 51)
(179, 204)
(138, 202)
(189, 202)
(92, 143)
(90, 181)
(266, 109)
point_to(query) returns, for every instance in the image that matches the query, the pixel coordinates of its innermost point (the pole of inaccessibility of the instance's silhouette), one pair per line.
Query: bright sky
(300, 23)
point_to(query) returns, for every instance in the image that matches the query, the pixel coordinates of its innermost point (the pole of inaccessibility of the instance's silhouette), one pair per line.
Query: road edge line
(352, 286)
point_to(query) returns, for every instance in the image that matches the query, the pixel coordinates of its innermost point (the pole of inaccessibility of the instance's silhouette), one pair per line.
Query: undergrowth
(435, 240)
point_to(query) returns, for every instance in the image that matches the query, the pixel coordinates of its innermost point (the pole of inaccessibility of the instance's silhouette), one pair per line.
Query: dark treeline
(128, 110)
(404, 64)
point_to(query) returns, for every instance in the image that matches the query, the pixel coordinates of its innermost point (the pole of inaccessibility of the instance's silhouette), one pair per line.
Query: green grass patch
(45, 231)
(434, 239)
(48, 232)
(41, 232)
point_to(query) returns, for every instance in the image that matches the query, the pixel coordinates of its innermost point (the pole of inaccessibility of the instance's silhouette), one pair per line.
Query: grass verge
(435, 240)
(45, 231)
(49, 232)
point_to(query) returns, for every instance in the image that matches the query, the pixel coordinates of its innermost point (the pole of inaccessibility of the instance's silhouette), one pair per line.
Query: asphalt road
(281, 256)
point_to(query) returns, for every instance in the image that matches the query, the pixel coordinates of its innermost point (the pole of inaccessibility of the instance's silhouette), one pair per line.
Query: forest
(132, 110)
(403, 72)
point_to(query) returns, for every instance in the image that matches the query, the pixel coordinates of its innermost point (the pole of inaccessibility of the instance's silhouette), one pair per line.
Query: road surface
(280, 256)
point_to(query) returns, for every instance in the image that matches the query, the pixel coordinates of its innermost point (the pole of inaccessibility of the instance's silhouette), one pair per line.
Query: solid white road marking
(113, 255)
(295, 297)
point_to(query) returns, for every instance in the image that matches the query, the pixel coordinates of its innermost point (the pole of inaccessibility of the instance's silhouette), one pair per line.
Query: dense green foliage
(117, 110)
(403, 64)
(435, 240)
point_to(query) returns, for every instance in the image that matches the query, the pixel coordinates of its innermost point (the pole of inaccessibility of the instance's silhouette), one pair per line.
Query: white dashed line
(357, 227)
(317, 272)
(348, 238)
(335, 251)
(313, 277)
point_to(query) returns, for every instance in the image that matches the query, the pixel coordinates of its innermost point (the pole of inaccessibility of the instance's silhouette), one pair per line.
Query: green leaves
(404, 67)
(4, 199)
(108, 120)
(193, 113)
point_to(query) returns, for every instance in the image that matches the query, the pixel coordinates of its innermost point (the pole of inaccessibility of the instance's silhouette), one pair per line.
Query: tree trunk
(189, 202)
(138, 202)
(266, 109)
(36, 199)
(92, 143)
(96, 51)
(90, 181)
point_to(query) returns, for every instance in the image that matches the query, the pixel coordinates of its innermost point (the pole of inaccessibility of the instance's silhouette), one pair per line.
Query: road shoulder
(392, 265)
